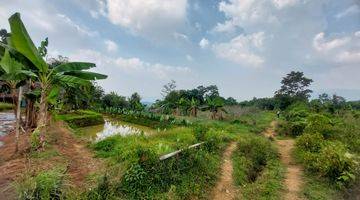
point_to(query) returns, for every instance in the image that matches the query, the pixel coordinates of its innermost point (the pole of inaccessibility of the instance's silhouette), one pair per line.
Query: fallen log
(169, 155)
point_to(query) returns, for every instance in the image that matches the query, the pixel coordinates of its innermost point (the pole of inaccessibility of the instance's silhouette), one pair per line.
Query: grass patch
(6, 106)
(320, 189)
(257, 169)
(146, 177)
(44, 185)
(81, 118)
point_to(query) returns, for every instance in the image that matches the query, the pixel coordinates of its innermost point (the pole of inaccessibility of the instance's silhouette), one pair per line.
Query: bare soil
(225, 189)
(78, 159)
(294, 172)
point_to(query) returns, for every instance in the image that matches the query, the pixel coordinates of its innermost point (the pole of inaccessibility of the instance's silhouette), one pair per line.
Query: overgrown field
(134, 170)
(327, 146)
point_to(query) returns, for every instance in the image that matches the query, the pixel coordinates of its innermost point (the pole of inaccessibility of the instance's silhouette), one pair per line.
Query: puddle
(113, 127)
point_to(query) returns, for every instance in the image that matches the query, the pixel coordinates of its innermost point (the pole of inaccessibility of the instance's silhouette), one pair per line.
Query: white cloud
(180, 37)
(242, 49)
(352, 10)
(247, 13)
(204, 43)
(152, 18)
(111, 46)
(344, 50)
(227, 26)
(284, 3)
(81, 29)
(323, 45)
(130, 65)
(349, 57)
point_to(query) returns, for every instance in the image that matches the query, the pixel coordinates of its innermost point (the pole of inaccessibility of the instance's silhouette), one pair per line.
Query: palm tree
(68, 73)
(216, 107)
(194, 106)
(183, 105)
(13, 74)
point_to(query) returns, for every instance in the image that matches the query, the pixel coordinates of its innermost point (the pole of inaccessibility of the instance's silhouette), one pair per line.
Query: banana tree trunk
(18, 118)
(42, 121)
(14, 101)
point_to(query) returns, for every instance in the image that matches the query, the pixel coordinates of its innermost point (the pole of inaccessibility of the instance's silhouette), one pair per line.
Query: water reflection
(7, 123)
(113, 127)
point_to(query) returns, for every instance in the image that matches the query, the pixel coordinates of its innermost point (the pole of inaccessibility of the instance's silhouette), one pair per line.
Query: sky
(244, 47)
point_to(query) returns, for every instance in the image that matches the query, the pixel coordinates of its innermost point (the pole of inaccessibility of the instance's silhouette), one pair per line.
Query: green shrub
(258, 151)
(257, 168)
(311, 142)
(81, 118)
(45, 185)
(146, 177)
(35, 139)
(335, 162)
(319, 124)
(103, 191)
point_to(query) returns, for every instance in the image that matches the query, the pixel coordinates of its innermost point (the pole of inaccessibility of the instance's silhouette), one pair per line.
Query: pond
(7, 123)
(113, 127)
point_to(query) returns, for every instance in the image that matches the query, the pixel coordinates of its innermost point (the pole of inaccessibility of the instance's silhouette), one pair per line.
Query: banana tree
(13, 74)
(216, 107)
(68, 73)
(194, 107)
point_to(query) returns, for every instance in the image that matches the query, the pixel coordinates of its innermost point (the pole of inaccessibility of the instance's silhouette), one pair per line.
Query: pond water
(7, 123)
(113, 127)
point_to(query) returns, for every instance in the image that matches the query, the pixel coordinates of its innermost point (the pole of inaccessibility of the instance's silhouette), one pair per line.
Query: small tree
(46, 75)
(169, 87)
(294, 88)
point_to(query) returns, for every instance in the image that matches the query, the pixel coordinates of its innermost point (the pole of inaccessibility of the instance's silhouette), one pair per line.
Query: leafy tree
(135, 102)
(216, 107)
(4, 35)
(230, 101)
(169, 87)
(68, 73)
(294, 88)
(114, 100)
(295, 85)
(13, 75)
(194, 107)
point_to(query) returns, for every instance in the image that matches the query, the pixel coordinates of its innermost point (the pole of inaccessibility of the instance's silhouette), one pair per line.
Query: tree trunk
(18, 118)
(14, 101)
(42, 121)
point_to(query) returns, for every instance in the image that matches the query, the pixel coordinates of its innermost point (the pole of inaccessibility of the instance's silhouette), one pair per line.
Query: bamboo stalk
(169, 155)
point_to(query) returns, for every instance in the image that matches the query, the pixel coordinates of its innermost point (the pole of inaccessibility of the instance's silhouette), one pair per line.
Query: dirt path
(81, 161)
(293, 177)
(73, 153)
(225, 189)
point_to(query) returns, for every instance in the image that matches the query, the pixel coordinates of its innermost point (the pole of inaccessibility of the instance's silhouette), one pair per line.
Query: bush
(147, 177)
(35, 139)
(319, 124)
(335, 162)
(257, 151)
(45, 185)
(328, 159)
(311, 142)
(81, 118)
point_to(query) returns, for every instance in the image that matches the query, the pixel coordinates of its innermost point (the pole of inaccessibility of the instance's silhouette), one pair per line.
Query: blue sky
(244, 47)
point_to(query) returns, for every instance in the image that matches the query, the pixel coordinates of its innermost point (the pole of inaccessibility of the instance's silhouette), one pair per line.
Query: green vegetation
(45, 185)
(327, 132)
(257, 169)
(80, 118)
(146, 176)
(6, 106)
